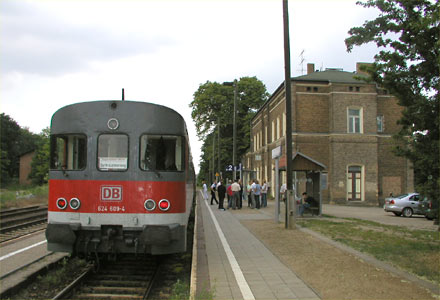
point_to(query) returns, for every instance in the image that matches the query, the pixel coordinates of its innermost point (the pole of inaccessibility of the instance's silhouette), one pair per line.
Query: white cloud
(55, 53)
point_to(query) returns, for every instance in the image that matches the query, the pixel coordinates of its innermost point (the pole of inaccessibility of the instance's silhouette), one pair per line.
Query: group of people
(236, 192)
(254, 193)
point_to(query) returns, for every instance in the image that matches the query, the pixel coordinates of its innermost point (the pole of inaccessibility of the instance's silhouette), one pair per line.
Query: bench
(313, 210)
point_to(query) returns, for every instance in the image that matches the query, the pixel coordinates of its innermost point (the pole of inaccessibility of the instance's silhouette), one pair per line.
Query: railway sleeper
(108, 296)
(120, 290)
(131, 283)
(119, 277)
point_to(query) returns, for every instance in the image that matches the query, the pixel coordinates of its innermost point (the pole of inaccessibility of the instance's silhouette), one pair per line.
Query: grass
(48, 285)
(417, 251)
(19, 195)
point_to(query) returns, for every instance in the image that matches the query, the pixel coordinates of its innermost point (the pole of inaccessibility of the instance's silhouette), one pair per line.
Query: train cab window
(68, 152)
(162, 153)
(112, 152)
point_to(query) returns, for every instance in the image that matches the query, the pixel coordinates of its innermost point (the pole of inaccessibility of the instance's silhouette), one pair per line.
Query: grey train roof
(134, 117)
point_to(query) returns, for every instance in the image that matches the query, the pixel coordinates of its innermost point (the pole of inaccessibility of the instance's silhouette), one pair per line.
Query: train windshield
(113, 152)
(68, 152)
(162, 153)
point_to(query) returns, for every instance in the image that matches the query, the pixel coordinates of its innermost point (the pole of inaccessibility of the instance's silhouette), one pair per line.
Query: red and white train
(121, 179)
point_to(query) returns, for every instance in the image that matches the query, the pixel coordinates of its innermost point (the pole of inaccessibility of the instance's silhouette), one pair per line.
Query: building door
(354, 183)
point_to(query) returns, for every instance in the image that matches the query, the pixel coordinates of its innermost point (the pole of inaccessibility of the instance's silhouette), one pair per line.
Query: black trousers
(221, 200)
(213, 197)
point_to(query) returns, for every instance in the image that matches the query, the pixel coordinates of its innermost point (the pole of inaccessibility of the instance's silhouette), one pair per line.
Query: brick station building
(342, 132)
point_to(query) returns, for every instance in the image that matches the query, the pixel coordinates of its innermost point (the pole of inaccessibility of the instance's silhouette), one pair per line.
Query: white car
(406, 205)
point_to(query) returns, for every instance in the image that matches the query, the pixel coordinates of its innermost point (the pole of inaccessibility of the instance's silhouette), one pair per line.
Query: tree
(212, 105)
(407, 32)
(14, 141)
(40, 163)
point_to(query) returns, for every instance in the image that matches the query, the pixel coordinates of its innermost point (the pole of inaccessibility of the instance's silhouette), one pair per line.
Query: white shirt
(283, 188)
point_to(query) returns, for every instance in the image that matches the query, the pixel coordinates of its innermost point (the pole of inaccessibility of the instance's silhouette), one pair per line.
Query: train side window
(162, 153)
(68, 152)
(112, 152)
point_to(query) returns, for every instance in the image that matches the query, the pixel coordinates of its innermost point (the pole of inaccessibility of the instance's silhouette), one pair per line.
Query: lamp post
(234, 130)
(218, 146)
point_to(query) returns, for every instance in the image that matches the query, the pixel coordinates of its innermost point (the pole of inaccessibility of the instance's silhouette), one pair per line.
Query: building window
(309, 89)
(350, 88)
(380, 124)
(358, 89)
(278, 128)
(315, 89)
(354, 183)
(354, 120)
(273, 130)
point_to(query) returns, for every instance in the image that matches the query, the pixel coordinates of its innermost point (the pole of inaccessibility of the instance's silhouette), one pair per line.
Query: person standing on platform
(240, 201)
(283, 190)
(205, 190)
(236, 190)
(264, 194)
(229, 191)
(254, 205)
(213, 188)
(221, 190)
(257, 192)
(249, 193)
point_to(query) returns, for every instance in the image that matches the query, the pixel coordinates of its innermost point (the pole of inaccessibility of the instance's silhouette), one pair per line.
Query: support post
(287, 88)
(277, 190)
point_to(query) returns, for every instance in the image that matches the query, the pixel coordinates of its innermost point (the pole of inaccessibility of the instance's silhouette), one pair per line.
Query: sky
(57, 52)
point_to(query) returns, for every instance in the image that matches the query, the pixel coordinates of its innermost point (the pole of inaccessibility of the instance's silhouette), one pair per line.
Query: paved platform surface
(233, 264)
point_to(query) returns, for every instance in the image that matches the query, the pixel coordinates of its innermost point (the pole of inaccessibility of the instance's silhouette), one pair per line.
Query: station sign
(276, 152)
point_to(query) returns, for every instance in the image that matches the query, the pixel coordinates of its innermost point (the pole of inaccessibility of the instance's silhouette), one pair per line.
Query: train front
(120, 179)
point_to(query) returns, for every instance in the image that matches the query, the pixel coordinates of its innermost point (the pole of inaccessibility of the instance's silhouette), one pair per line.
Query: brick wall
(25, 168)
(320, 131)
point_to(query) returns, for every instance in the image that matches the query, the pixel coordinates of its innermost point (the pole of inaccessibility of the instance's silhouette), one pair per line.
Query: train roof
(133, 116)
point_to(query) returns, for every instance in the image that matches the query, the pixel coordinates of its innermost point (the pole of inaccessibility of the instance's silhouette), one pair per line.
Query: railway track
(18, 222)
(127, 278)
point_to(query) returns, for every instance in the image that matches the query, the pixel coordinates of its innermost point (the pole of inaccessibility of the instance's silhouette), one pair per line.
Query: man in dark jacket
(221, 189)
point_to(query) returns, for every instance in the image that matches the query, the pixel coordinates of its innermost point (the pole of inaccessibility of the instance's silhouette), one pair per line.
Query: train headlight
(74, 203)
(149, 204)
(164, 204)
(61, 203)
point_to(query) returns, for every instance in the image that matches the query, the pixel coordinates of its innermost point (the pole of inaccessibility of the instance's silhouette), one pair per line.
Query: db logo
(111, 193)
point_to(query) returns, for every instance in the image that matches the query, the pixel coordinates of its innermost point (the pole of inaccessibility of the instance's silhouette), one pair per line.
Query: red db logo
(111, 193)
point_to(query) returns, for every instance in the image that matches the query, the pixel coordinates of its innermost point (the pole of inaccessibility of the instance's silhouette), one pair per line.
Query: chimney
(310, 68)
(358, 68)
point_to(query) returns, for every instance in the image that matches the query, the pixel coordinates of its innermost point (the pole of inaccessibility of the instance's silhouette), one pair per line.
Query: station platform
(232, 263)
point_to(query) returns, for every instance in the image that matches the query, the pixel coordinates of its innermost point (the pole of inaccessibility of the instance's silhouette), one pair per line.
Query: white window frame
(273, 130)
(380, 123)
(278, 128)
(351, 119)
